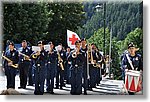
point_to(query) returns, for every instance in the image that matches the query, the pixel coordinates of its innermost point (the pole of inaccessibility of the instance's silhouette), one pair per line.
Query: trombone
(10, 61)
(26, 57)
(90, 56)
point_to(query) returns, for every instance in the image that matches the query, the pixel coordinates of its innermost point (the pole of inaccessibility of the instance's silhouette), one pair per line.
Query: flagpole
(88, 76)
(67, 38)
(110, 53)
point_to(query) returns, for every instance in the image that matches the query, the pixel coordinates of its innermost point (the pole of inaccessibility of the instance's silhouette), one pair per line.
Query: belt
(38, 65)
(76, 65)
(22, 60)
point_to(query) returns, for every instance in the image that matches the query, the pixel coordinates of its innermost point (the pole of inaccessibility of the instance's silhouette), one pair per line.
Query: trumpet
(74, 54)
(10, 61)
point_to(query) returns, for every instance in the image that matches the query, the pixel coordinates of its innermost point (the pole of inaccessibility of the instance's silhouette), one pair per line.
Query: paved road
(107, 87)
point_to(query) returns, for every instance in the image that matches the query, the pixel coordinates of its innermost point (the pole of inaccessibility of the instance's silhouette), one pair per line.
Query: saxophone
(10, 61)
(60, 61)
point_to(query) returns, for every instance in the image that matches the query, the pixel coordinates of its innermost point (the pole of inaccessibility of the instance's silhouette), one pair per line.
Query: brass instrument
(26, 57)
(60, 61)
(74, 54)
(90, 56)
(10, 61)
(35, 55)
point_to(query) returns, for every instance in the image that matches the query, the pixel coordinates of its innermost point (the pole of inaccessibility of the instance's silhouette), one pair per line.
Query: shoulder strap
(130, 62)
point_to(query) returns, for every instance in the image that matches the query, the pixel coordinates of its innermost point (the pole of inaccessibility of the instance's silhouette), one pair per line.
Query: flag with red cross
(72, 37)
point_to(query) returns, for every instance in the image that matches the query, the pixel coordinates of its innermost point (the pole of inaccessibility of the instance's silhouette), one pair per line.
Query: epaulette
(139, 55)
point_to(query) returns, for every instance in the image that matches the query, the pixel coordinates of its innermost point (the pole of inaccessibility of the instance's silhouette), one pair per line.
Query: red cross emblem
(73, 39)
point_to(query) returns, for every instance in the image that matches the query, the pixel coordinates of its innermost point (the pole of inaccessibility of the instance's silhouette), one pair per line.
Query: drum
(133, 80)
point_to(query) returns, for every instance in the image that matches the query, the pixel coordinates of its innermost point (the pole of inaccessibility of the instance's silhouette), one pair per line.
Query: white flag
(72, 37)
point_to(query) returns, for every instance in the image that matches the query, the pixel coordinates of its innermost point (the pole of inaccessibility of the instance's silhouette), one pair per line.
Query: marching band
(79, 67)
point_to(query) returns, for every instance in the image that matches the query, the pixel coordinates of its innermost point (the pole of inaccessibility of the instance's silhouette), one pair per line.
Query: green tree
(124, 17)
(115, 57)
(98, 39)
(25, 21)
(136, 36)
(65, 16)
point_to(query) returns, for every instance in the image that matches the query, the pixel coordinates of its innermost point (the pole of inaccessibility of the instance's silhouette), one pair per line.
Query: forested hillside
(123, 17)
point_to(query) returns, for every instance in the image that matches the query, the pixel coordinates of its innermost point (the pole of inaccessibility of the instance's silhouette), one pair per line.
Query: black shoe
(56, 87)
(37, 93)
(52, 92)
(64, 85)
(47, 92)
(20, 87)
(67, 82)
(61, 87)
(72, 93)
(78, 94)
(131, 93)
(94, 87)
(85, 93)
(24, 87)
(30, 85)
(90, 89)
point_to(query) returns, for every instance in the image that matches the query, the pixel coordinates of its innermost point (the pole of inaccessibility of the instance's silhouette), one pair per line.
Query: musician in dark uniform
(77, 61)
(67, 66)
(60, 71)
(94, 67)
(122, 66)
(83, 50)
(31, 73)
(134, 57)
(24, 64)
(51, 68)
(40, 58)
(99, 67)
(11, 71)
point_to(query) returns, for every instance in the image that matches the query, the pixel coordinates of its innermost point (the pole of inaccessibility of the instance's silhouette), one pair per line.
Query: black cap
(92, 44)
(67, 47)
(24, 41)
(78, 41)
(40, 42)
(83, 39)
(11, 43)
(131, 44)
(50, 42)
(60, 44)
